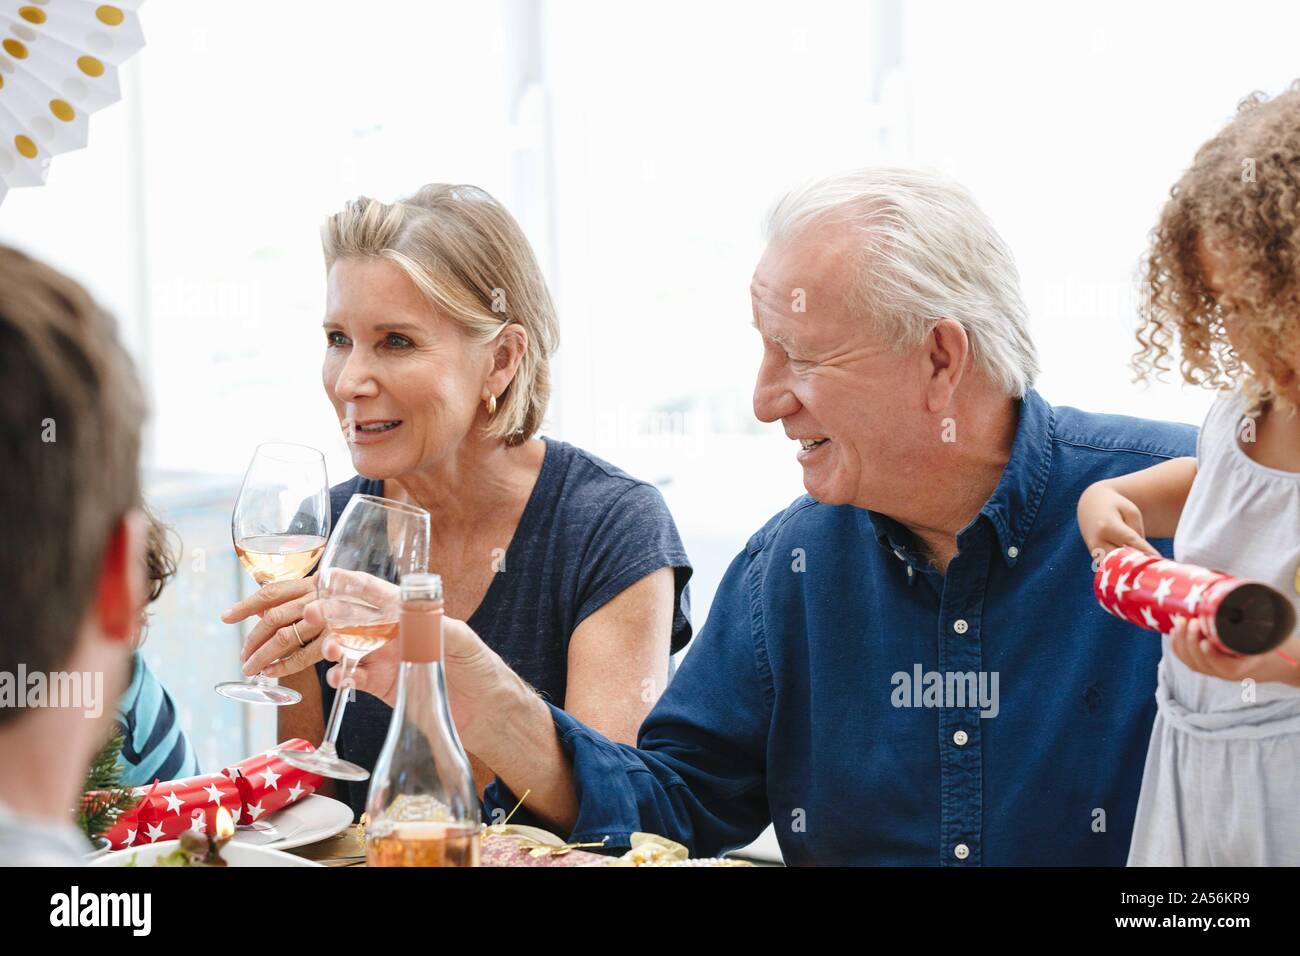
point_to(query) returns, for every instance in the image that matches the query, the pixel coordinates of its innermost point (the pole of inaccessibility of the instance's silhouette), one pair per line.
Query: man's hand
(499, 718)
(476, 674)
(1203, 657)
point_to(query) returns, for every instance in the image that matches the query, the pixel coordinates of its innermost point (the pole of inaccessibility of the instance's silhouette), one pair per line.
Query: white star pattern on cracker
(173, 803)
(155, 831)
(255, 810)
(271, 778)
(1163, 589)
(1194, 594)
(214, 793)
(294, 793)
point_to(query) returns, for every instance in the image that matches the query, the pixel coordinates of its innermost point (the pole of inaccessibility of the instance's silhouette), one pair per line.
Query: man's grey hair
(928, 252)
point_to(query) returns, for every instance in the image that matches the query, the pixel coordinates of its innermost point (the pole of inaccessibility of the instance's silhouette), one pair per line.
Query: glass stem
(346, 684)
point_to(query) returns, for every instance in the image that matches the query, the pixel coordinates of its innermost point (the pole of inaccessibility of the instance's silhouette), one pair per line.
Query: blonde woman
(439, 331)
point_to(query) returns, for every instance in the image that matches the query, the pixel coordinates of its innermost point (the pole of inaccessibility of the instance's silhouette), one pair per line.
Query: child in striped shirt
(155, 747)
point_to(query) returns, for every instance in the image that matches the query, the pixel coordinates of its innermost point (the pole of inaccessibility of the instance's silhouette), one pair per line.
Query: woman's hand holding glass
(282, 642)
(279, 528)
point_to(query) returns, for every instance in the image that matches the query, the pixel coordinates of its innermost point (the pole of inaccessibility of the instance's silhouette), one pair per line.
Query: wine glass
(376, 542)
(280, 524)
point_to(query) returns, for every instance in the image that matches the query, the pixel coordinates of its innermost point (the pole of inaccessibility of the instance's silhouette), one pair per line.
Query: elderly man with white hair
(906, 665)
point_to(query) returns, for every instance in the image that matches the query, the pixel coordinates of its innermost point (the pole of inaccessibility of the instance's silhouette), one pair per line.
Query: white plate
(310, 819)
(233, 853)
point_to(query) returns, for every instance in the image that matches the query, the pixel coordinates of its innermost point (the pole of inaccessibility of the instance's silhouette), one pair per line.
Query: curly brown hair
(160, 554)
(1242, 194)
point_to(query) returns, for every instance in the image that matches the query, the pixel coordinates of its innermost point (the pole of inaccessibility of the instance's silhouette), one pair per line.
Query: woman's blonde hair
(1242, 193)
(470, 259)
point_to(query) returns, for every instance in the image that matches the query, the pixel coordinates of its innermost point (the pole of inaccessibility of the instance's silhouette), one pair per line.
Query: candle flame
(225, 824)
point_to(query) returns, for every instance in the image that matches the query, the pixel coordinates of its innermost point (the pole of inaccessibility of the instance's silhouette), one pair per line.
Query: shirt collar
(1014, 502)
(38, 841)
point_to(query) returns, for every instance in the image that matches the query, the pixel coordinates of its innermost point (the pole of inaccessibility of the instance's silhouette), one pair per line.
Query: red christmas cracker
(1237, 616)
(249, 789)
(266, 783)
(167, 808)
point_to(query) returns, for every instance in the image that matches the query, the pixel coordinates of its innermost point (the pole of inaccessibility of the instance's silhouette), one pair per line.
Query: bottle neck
(422, 695)
(421, 691)
(420, 631)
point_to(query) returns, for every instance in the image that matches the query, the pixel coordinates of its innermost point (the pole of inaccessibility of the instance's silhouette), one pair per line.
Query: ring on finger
(301, 642)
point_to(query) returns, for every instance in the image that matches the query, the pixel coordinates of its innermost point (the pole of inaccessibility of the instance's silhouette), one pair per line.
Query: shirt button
(961, 851)
(960, 625)
(1012, 551)
(960, 738)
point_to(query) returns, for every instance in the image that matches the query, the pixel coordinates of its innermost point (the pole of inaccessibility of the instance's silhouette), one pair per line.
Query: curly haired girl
(1222, 279)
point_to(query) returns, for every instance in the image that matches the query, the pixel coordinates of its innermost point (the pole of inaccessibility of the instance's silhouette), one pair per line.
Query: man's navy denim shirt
(807, 700)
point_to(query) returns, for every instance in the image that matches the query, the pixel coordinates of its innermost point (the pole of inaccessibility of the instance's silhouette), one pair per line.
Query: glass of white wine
(280, 525)
(376, 542)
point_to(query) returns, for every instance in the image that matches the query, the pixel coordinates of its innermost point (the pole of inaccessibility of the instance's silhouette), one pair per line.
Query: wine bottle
(423, 807)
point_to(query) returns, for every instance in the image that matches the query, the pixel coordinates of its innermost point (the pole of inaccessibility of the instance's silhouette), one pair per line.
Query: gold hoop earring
(491, 405)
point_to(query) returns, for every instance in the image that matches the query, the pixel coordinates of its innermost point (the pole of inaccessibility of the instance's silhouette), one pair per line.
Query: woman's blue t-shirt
(587, 533)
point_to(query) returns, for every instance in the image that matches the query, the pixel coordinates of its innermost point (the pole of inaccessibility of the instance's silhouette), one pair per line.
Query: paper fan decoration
(58, 64)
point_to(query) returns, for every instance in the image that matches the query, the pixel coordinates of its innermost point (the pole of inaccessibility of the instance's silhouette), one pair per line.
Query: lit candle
(204, 849)
(225, 829)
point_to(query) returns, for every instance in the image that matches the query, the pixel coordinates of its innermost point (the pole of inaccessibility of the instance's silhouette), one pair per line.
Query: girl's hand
(1202, 656)
(1108, 520)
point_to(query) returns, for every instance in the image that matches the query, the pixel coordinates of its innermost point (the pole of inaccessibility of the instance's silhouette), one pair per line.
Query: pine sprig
(103, 798)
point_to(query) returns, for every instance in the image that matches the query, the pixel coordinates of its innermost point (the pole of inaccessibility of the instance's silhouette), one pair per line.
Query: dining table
(506, 846)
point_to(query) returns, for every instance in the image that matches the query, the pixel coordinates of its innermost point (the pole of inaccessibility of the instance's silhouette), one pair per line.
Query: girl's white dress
(1222, 779)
